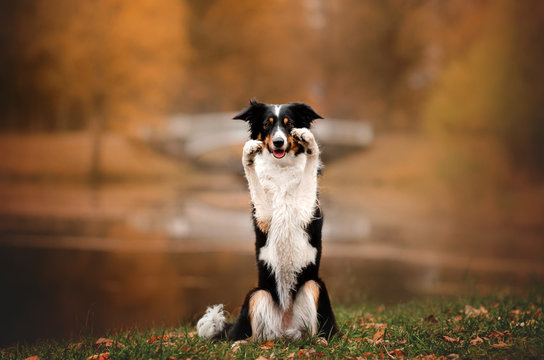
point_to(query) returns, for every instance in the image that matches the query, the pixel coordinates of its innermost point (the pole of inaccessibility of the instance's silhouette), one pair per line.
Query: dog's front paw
(251, 148)
(305, 138)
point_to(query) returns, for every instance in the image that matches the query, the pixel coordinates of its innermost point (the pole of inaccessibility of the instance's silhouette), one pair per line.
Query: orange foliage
(120, 61)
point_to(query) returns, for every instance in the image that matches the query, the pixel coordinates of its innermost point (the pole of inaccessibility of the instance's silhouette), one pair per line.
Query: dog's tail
(213, 324)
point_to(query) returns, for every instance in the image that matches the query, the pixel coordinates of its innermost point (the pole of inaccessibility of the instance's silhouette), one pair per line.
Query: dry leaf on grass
(457, 318)
(471, 311)
(500, 345)
(378, 335)
(169, 336)
(33, 357)
(262, 358)
(450, 339)
(267, 345)
(103, 356)
(498, 334)
(238, 344)
(108, 343)
(476, 340)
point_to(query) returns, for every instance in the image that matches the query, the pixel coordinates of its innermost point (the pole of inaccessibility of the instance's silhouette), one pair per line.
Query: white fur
(277, 109)
(266, 318)
(304, 313)
(284, 194)
(212, 323)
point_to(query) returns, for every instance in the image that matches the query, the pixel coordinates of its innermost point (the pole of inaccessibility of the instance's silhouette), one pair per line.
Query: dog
(281, 163)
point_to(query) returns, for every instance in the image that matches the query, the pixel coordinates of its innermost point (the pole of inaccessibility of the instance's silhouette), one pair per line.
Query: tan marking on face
(285, 121)
(271, 119)
(294, 146)
(259, 137)
(266, 141)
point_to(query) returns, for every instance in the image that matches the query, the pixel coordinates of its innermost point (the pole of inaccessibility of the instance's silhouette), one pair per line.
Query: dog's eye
(268, 123)
(290, 124)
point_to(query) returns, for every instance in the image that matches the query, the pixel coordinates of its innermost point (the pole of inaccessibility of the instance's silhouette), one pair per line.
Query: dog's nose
(278, 142)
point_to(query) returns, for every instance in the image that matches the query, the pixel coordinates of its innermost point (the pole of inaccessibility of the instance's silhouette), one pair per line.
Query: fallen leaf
(476, 340)
(372, 324)
(238, 344)
(103, 356)
(378, 335)
(499, 335)
(171, 335)
(500, 345)
(33, 357)
(262, 358)
(471, 311)
(453, 356)
(450, 339)
(457, 318)
(108, 343)
(267, 345)
(398, 353)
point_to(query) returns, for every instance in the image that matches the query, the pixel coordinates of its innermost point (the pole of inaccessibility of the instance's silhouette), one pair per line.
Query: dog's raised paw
(251, 148)
(305, 138)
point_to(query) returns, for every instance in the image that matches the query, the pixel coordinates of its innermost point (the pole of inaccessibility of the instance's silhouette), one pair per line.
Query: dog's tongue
(278, 154)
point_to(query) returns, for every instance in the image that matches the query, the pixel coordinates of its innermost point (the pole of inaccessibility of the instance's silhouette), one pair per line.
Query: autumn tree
(246, 48)
(75, 62)
(494, 89)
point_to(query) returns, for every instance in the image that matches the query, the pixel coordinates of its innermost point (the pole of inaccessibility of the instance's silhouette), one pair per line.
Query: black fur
(299, 115)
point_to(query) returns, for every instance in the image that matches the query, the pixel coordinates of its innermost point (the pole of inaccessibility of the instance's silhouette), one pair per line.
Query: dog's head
(272, 124)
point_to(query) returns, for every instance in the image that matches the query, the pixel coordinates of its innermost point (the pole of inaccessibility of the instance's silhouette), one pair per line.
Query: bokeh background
(122, 197)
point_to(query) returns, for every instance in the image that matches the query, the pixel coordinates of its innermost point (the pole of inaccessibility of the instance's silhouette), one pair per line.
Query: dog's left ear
(253, 114)
(304, 113)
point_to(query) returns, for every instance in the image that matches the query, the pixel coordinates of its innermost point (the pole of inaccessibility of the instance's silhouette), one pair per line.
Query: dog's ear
(304, 114)
(253, 111)
(253, 114)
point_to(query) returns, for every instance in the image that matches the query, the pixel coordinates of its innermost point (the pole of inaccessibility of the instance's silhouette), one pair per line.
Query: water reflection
(77, 260)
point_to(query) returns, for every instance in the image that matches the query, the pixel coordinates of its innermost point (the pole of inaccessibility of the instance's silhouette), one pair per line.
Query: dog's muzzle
(278, 149)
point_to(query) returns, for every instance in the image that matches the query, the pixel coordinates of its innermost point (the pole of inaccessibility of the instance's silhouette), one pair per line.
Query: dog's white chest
(287, 250)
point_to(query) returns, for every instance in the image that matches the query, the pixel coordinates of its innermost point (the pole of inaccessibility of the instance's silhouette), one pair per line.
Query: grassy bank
(478, 327)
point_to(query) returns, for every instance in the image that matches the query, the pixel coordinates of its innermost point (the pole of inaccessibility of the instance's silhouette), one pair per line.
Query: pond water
(77, 260)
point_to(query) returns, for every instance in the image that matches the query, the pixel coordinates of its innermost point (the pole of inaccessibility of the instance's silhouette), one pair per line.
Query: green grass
(452, 328)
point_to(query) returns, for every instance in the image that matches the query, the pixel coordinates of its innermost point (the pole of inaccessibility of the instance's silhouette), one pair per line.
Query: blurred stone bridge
(192, 136)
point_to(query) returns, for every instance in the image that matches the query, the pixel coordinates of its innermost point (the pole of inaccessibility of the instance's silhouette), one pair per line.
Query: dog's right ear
(253, 111)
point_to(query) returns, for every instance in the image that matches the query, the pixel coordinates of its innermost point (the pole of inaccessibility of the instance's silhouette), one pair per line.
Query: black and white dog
(281, 163)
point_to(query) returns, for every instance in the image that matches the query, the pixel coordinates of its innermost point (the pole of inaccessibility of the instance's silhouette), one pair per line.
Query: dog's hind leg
(265, 316)
(305, 311)
(325, 316)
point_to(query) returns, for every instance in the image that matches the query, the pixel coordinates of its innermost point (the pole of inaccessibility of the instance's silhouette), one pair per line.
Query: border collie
(281, 164)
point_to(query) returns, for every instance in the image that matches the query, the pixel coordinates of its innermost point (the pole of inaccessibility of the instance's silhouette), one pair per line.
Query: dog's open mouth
(278, 154)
